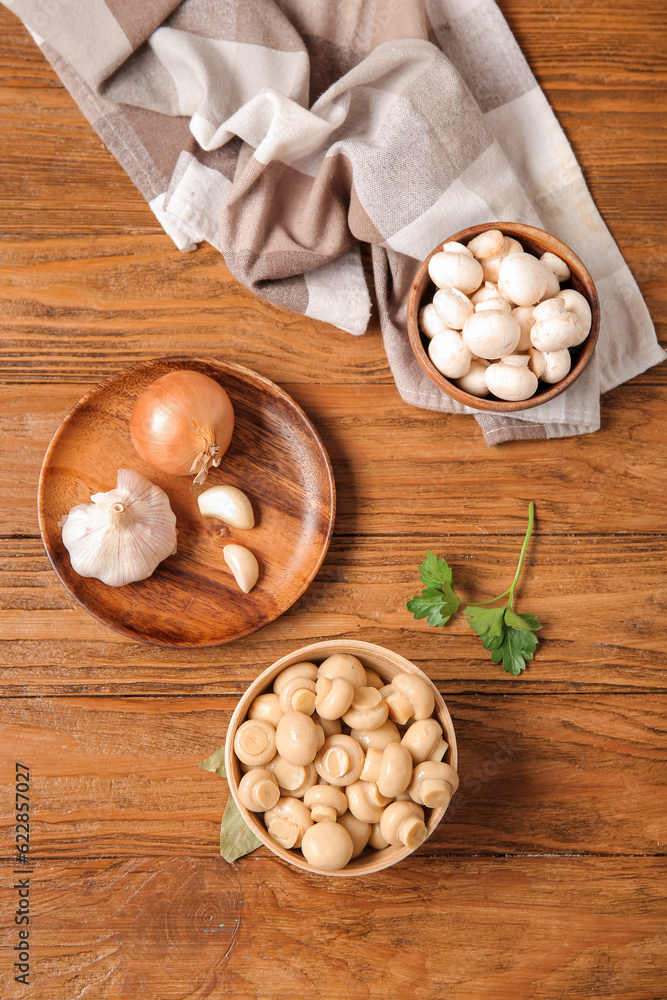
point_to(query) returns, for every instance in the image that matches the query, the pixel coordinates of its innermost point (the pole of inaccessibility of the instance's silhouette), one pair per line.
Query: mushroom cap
(402, 822)
(553, 286)
(358, 830)
(343, 665)
(298, 695)
(491, 334)
(455, 270)
(258, 790)
(396, 770)
(511, 381)
(380, 737)
(293, 779)
(524, 317)
(452, 246)
(419, 691)
(489, 290)
(429, 321)
(502, 305)
(422, 738)
(297, 738)
(255, 741)
(556, 366)
(340, 760)
(368, 709)
(329, 727)
(303, 669)
(523, 279)
(334, 697)
(474, 380)
(433, 784)
(449, 354)
(556, 264)
(360, 803)
(577, 303)
(376, 840)
(537, 361)
(325, 795)
(556, 332)
(267, 707)
(490, 243)
(327, 846)
(373, 680)
(287, 821)
(453, 307)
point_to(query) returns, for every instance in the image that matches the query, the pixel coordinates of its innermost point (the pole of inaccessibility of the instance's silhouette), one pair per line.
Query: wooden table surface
(546, 878)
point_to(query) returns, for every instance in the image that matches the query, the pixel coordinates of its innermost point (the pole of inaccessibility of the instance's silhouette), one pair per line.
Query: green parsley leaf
(435, 572)
(437, 606)
(517, 647)
(485, 621)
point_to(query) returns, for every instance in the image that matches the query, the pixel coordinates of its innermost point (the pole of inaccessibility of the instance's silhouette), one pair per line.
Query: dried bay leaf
(236, 837)
(216, 762)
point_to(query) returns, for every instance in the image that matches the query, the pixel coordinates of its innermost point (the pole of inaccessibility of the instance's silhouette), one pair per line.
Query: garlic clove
(228, 504)
(243, 564)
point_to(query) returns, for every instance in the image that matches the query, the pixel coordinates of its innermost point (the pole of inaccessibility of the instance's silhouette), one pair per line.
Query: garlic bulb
(122, 535)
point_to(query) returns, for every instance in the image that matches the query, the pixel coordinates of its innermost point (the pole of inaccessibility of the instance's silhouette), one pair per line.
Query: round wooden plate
(276, 457)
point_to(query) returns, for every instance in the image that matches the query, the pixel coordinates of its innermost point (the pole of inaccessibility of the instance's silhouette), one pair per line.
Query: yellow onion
(182, 423)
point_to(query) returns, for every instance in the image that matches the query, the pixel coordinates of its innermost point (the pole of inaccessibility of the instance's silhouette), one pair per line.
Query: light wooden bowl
(387, 664)
(534, 241)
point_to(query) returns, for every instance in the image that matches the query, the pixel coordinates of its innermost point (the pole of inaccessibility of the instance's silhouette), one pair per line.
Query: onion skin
(182, 423)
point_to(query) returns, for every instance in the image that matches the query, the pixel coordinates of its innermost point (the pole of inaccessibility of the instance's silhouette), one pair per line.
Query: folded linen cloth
(288, 132)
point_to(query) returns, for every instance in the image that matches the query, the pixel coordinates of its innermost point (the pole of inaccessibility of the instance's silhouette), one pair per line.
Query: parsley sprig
(509, 636)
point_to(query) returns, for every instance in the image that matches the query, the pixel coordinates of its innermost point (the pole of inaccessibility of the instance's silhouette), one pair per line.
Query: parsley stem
(529, 531)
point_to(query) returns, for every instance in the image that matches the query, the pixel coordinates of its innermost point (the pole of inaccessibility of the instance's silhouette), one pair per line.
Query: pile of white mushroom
(499, 321)
(337, 760)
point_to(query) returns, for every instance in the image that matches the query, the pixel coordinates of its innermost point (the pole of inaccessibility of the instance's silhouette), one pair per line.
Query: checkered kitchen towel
(287, 132)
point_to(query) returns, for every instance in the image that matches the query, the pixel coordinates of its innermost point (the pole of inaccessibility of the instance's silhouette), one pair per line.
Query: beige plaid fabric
(288, 132)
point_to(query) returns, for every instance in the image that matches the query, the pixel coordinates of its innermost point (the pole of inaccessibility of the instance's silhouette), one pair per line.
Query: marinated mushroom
(402, 822)
(340, 760)
(360, 803)
(287, 821)
(303, 669)
(325, 802)
(368, 710)
(343, 665)
(386, 733)
(297, 738)
(293, 779)
(298, 695)
(266, 707)
(396, 770)
(255, 742)
(258, 790)
(327, 846)
(334, 697)
(418, 691)
(373, 680)
(433, 783)
(358, 830)
(424, 740)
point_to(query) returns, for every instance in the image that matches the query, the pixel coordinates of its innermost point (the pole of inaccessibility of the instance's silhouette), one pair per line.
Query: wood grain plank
(512, 929)
(599, 629)
(437, 477)
(538, 775)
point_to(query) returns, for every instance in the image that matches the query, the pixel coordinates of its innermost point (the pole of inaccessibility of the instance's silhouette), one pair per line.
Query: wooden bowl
(534, 241)
(387, 664)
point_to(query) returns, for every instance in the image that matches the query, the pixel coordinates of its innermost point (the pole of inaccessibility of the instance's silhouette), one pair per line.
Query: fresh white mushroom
(523, 279)
(511, 378)
(491, 334)
(474, 381)
(490, 243)
(502, 305)
(455, 270)
(557, 265)
(453, 247)
(553, 286)
(536, 361)
(556, 366)
(453, 307)
(524, 316)
(489, 290)
(429, 321)
(576, 303)
(449, 354)
(555, 328)
(513, 246)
